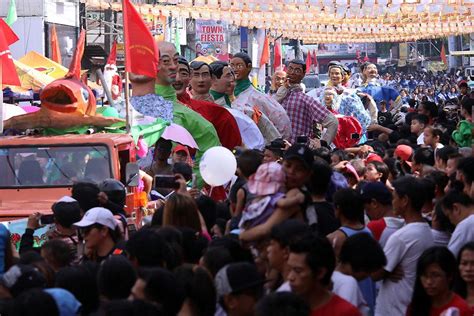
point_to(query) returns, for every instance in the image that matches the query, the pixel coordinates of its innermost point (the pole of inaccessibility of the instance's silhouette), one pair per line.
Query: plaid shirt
(303, 111)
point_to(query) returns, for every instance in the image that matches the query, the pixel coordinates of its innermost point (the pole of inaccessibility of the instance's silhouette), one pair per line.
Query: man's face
(269, 156)
(241, 69)
(371, 72)
(451, 167)
(301, 276)
(296, 173)
(225, 82)
(168, 65)
(182, 79)
(397, 203)
(295, 73)
(277, 255)
(279, 79)
(416, 127)
(180, 156)
(335, 74)
(201, 80)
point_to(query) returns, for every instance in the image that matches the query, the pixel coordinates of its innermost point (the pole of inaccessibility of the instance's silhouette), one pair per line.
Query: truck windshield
(52, 166)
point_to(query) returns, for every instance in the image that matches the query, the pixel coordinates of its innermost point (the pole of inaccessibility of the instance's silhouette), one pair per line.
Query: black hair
(319, 255)
(424, 156)
(199, 288)
(341, 154)
(413, 189)
(299, 62)
(466, 167)
(245, 57)
(218, 68)
(382, 168)
(320, 177)
(237, 252)
(194, 244)
(183, 169)
(363, 253)
(365, 65)
(34, 302)
(443, 221)
(421, 303)
(131, 308)
(86, 194)
(350, 203)
(393, 167)
(467, 104)
(460, 286)
(162, 288)
(216, 258)
(207, 208)
(81, 282)
(148, 248)
(174, 241)
(59, 252)
(116, 278)
(282, 304)
(324, 153)
(445, 152)
(455, 196)
(439, 178)
(431, 107)
(66, 213)
(423, 119)
(184, 61)
(196, 65)
(289, 231)
(249, 161)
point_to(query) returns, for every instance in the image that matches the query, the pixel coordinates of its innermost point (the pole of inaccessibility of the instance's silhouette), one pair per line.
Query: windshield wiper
(13, 170)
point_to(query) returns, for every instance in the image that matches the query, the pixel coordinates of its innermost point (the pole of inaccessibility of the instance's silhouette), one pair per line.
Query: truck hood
(20, 203)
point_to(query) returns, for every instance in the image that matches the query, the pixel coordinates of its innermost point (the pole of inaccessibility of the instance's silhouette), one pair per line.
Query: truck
(36, 171)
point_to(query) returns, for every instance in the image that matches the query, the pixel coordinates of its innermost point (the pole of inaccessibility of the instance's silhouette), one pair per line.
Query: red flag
(8, 33)
(443, 55)
(308, 61)
(55, 51)
(277, 55)
(265, 53)
(315, 58)
(140, 48)
(75, 66)
(112, 59)
(8, 74)
(366, 58)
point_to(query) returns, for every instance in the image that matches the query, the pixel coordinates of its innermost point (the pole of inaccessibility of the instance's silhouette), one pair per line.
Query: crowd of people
(346, 201)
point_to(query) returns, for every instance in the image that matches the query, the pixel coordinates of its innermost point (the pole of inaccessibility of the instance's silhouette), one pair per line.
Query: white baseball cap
(97, 215)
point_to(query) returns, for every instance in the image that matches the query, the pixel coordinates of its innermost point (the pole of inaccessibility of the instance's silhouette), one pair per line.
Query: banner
(17, 229)
(211, 39)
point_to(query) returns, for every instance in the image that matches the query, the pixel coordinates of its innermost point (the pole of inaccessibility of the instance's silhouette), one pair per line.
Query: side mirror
(132, 174)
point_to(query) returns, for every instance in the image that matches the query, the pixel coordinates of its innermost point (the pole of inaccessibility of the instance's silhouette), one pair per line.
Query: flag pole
(127, 84)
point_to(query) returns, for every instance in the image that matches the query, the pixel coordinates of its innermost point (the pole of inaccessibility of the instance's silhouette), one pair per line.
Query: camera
(303, 140)
(277, 144)
(166, 182)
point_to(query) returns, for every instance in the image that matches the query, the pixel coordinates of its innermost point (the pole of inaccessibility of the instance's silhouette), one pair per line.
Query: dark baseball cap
(301, 152)
(22, 277)
(377, 191)
(236, 277)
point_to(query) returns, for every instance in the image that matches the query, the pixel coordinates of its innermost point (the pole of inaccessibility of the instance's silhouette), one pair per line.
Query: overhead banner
(156, 25)
(211, 39)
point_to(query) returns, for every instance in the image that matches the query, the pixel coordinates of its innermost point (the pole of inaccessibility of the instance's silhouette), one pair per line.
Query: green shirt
(202, 130)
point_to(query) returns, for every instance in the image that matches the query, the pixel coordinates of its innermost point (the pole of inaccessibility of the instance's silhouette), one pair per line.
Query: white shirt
(285, 287)
(403, 248)
(347, 287)
(421, 139)
(463, 233)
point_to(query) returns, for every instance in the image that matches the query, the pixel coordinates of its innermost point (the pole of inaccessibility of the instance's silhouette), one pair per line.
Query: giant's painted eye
(85, 94)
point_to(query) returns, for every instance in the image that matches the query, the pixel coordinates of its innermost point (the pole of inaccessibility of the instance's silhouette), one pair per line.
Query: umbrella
(30, 108)
(11, 110)
(179, 134)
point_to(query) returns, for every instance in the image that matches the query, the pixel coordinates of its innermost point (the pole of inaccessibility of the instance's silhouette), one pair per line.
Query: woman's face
(335, 74)
(435, 281)
(371, 173)
(466, 266)
(428, 137)
(328, 98)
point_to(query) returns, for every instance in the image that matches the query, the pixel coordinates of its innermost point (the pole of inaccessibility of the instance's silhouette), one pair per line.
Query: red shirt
(336, 307)
(224, 123)
(457, 302)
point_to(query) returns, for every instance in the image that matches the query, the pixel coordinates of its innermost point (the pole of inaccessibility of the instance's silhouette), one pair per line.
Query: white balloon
(217, 166)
